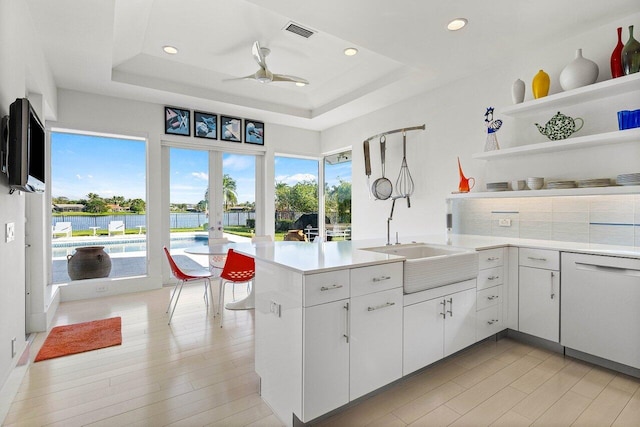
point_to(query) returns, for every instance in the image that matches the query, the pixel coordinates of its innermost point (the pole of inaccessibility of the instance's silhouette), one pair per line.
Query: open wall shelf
(594, 191)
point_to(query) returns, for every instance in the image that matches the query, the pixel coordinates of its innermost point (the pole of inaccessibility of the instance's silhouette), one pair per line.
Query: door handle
(450, 311)
(347, 332)
(553, 293)
(444, 308)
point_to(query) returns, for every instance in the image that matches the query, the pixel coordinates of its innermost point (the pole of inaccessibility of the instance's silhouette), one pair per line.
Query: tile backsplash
(613, 220)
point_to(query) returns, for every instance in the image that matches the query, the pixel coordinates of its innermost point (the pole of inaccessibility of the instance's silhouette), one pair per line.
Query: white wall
(454, 116)
(23, 70)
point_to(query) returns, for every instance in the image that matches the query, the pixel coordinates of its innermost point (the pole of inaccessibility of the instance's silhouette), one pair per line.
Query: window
(337, 197)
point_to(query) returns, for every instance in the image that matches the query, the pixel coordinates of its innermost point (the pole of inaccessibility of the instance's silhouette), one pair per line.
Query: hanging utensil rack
(421, 127)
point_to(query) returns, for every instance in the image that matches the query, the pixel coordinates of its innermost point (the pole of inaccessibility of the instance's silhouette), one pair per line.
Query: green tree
(95, 205)
(304, 196)
(283, 197)
(137, 205)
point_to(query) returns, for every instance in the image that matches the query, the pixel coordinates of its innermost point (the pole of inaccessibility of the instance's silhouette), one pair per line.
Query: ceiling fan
(264, 75)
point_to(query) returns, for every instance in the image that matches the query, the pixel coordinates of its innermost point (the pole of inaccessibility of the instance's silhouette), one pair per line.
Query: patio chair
(62, 228)
(216, 261)
(237, 269)
(116, 227)
(186, 277)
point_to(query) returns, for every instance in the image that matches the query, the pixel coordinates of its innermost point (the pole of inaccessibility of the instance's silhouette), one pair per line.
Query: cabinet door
(539, 302)
(325, 359)
(376, 341)
(423, 334)
(460, 324)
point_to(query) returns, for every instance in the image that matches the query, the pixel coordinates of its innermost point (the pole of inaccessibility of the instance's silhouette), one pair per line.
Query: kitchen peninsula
(330, 316)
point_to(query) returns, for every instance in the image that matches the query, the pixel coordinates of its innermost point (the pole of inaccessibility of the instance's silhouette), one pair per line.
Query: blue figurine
(492, 128)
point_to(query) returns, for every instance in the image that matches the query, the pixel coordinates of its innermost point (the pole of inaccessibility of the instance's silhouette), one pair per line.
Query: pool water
(121, 247)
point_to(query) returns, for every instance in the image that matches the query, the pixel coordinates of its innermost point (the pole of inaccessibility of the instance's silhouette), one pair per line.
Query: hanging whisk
(404, 183)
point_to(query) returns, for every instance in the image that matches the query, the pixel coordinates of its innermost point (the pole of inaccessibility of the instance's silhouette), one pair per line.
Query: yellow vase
(540, 85)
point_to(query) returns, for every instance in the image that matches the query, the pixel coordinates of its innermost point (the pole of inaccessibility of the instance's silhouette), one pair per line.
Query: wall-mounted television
(24, 148)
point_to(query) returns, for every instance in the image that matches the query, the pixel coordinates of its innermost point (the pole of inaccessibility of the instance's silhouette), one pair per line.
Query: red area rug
(81, 337)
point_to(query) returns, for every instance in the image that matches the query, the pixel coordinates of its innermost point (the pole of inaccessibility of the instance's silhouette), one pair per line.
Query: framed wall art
(177, 121)
(230, 129)
(205, 125)
(253, 132)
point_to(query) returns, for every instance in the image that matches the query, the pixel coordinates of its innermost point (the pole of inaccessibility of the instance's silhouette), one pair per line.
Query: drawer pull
(378, 307)
(536, 258)
(493, 277)
(493, 258)
(381, 278)
(325, 288)
(492, 321)
(492, 297)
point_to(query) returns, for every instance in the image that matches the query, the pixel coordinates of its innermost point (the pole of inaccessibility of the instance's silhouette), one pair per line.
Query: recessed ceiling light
(457, 24)
(170, 50)
(300, 84)
(350, 51)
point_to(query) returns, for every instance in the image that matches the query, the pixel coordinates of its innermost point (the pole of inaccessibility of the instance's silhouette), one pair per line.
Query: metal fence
(177, 220)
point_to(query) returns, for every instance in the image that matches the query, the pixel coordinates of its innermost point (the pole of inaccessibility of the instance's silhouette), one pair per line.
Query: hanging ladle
(382, 187)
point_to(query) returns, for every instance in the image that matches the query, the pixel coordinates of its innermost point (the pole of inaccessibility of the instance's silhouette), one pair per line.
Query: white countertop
(307, 258)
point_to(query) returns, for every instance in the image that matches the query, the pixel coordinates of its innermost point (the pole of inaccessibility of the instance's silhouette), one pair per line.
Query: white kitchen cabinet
(328, 337)
(326, 358)
(438, 322)
(489, 298)
(600, 301)
(375, 341)
(539, 293)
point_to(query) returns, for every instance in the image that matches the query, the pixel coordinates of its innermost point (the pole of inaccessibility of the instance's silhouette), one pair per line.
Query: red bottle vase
(616, 57)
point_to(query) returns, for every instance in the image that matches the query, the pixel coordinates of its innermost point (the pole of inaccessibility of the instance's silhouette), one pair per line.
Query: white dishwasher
(600, 306)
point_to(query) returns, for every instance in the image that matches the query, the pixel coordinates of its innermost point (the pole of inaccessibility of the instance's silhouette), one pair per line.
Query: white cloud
(234, 162)
(294, 179)
(78, 176)
(200, 175)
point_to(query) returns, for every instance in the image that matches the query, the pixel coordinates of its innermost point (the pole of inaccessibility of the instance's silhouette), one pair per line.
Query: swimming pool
(62, 249)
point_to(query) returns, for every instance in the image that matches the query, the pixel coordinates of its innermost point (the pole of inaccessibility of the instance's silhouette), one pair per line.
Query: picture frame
(253, 132)
(177, 121)
(230, 129)
(205, 125)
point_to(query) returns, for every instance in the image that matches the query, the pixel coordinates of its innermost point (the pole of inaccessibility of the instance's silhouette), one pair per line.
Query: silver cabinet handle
(450, 311)
(553, 293)
(378, 307)
(492, 321)
(347, 325)
(493, 258)
(381, 278)
(493, 277)
(325, 288)
(444, 308)
(492, 297)
(536, 259)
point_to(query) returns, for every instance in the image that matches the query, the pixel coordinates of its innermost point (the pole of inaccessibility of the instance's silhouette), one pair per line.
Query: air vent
(294, 28)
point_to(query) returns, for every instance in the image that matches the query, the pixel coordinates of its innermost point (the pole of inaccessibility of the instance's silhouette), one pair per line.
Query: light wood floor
(194, 373)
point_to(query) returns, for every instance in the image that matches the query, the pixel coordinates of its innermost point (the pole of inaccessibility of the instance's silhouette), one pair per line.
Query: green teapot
(560, 127)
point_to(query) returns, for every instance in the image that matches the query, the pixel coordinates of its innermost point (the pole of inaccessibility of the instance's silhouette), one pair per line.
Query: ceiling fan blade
(249, 77)
(258, 55)
(286, 78)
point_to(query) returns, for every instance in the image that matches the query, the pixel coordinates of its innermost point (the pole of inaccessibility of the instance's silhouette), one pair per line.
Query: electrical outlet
(504, 222)
(101, 289)
(10, 232)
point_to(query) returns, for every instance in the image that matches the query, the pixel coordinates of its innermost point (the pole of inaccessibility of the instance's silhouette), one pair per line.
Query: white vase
(579, 72)
(517, 91)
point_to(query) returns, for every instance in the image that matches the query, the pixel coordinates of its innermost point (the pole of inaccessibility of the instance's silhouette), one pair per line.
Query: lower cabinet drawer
(321, 288)
(488, 322)
(489, 297)
(376, 278)
(490, 277)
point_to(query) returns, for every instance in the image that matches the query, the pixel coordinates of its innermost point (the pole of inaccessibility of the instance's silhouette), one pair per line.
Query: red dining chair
(238, 268)
(185, 277)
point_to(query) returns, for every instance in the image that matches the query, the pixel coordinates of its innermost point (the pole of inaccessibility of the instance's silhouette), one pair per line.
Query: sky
(83, 164)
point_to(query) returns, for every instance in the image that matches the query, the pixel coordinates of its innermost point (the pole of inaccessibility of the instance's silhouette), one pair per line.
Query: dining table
(247, 303)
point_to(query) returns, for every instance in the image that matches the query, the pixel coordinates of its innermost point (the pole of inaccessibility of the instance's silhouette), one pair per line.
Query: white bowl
(518, 185)
(535, 183)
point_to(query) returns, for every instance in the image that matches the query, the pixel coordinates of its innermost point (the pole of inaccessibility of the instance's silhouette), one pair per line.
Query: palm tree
(229, 189)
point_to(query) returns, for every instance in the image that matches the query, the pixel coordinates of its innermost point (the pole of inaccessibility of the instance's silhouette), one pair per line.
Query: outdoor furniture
(62, 228)
(185, 277)
(116, 227)
(237, 269)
